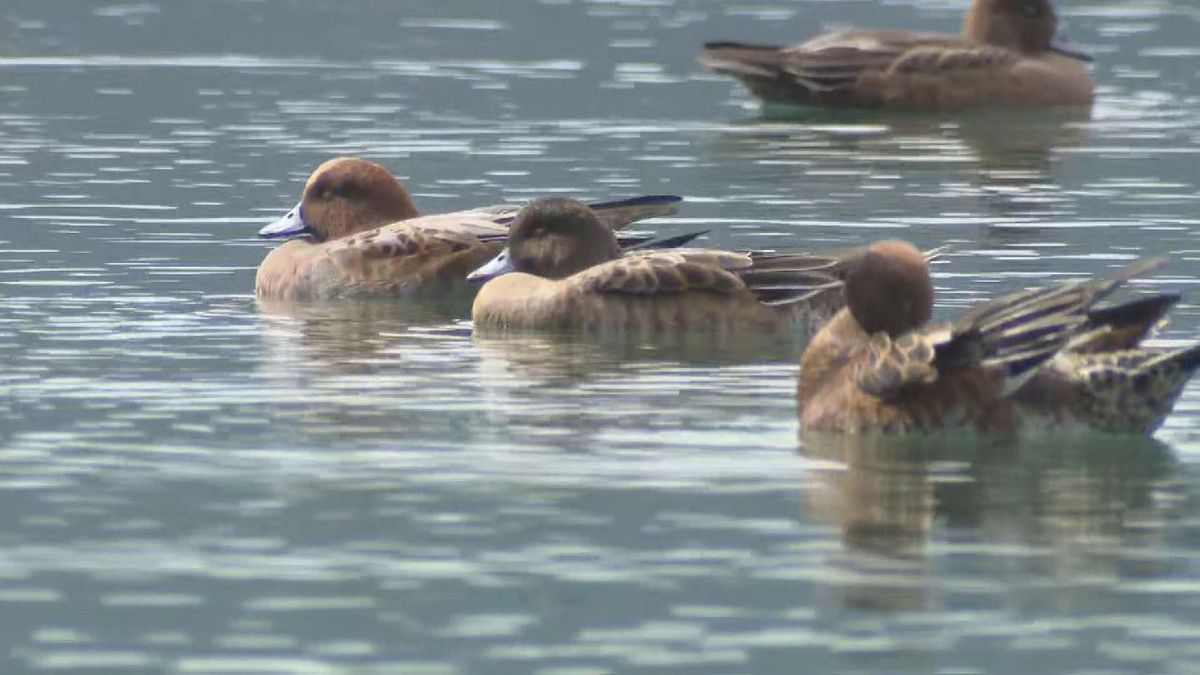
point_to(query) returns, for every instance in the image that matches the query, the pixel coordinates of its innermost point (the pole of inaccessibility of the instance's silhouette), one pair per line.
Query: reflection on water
(989, 139)
(573, 350)
(1069, 491)
(199, 482)
(355, 331)
(1007, 158)
(1052, 515)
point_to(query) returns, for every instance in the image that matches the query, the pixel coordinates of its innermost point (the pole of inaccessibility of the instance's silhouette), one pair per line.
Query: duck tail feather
(621, 212)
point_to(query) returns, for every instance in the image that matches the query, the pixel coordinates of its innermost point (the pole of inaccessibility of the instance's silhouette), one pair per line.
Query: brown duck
(1004, 56)
(563, 270)
(1045, 354)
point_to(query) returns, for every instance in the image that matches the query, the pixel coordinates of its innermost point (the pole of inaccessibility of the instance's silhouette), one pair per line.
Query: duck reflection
(882, 500)
(344, 335)
(574, 390)
(998, 139)
(1005, 157)
(353, 372)
(543, 386)
(546, 358)
(1068, 499)
(577, 356)
(1019, 140)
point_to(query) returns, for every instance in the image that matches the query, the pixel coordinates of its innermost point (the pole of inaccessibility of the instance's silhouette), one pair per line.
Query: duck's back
(901, 70)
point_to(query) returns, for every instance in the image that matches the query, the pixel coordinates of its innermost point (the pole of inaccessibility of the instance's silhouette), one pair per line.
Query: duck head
(344, 196)
(888, 288)
(553, 238)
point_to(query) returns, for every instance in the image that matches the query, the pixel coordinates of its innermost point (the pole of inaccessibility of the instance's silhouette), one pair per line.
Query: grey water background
(191, 482)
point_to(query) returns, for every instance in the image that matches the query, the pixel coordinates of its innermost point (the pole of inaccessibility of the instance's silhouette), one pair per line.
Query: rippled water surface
(192, 482)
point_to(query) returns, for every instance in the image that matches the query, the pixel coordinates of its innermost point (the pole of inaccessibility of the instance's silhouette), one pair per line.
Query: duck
(356, 233)
(1005, 55)
(1046, 357)
(563, 270)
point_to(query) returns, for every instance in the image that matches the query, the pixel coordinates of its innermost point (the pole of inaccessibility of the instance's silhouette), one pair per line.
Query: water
(191, 482)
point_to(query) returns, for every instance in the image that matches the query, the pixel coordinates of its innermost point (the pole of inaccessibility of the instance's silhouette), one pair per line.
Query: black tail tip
(1188, 358)
(717, 46)
(1141, 310)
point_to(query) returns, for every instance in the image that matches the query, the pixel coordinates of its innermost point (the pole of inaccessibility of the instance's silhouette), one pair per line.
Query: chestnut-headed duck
(1044, 353)
(356, 233)
(563, 270)
(1005, 55)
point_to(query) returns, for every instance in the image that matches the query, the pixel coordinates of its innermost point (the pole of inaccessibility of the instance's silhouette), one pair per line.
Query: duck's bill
(1070, 51)
(497, 266)
(290, 225)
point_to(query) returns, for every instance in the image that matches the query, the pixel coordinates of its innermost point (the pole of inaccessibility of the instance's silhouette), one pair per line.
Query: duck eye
(322, 190)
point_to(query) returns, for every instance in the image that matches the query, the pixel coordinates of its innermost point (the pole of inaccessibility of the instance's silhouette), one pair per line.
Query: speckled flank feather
(1002, 57)
(1129, 391)
(1106, 380)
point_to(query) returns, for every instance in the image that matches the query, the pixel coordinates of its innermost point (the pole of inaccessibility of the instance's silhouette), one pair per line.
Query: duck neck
(981, 25)
(827, 353)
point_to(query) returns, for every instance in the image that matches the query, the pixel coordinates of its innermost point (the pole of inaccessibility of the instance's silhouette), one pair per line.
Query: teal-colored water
(191, 482)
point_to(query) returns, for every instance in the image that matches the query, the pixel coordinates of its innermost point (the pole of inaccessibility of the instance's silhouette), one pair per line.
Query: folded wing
(1011, 335)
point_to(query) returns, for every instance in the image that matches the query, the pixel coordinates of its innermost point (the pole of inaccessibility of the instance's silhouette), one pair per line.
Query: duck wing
(838, 60)
(1011, 336)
